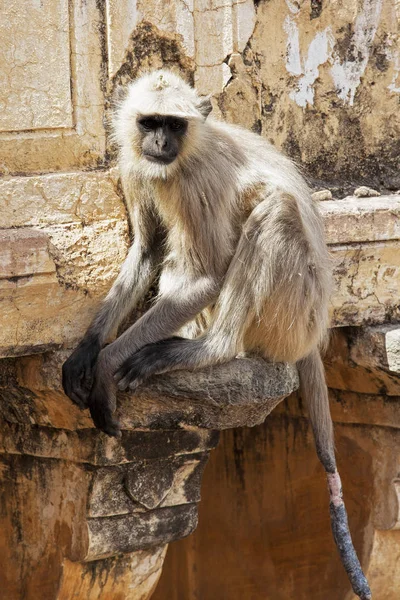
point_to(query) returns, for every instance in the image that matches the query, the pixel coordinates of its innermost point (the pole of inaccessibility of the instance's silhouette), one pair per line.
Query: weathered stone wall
(321, 80)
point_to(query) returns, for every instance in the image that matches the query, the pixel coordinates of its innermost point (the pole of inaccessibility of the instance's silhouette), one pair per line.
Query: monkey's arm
(167, 316)
(132, 283)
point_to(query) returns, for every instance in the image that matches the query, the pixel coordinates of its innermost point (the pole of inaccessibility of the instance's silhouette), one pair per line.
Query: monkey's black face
(162, 137)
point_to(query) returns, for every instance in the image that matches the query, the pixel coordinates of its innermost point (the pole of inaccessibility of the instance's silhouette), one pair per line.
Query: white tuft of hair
(162, 92)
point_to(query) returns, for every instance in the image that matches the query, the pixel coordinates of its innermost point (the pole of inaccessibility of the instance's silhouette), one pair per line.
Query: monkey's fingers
(105, 422)
(77, 400)
(135, 369)
(130, 380)
(153, 359)
(72, 385)
(102, 413)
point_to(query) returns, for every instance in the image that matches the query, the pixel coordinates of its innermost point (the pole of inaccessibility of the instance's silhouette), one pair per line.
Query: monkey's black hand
(102, 399)
(78, 370)
(150, 360)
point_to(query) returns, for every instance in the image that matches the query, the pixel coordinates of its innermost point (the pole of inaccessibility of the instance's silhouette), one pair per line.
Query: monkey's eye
(177, 125)
(149, 124)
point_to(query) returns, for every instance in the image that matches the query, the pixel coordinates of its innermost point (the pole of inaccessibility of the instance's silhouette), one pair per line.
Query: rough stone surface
(125, 496)
(365, 192)
(51, 99)
(322, 82)
(109, 536)
(136, 573)
(26, 80)
(368, 293)
(68, 237)
(241, 392)
(322, 195)
(60, 198)
(369, 220)
(147, 484)
(392, 346)
(360, 360)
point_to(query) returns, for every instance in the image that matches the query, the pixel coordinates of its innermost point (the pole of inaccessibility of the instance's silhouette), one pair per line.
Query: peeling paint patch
(394, 85)
(293, 61)
(318, 53)
(347, 74)
(293, 7)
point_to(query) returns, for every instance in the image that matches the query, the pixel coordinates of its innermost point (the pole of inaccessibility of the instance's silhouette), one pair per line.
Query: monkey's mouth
(160, 160)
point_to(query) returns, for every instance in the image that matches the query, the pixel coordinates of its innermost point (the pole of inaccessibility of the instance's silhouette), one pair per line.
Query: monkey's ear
(119, 94)
(204, 106)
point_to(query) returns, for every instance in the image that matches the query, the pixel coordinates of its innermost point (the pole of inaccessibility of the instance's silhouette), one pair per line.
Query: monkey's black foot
(149, 360)
(102, 406)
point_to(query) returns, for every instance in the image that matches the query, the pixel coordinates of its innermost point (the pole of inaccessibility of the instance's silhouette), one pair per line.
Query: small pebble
(322, 195)
(365, 192)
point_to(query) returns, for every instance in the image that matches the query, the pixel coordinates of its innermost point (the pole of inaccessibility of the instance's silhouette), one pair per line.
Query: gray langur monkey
(244, 266)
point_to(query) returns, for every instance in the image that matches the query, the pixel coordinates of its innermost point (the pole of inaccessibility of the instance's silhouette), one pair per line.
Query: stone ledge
(353, 219)
(140, 491)
(241, 392)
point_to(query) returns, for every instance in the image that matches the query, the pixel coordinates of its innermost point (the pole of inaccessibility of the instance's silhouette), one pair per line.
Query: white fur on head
(164, 93)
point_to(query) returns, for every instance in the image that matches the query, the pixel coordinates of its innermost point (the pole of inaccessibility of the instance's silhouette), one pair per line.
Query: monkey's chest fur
(203, 227)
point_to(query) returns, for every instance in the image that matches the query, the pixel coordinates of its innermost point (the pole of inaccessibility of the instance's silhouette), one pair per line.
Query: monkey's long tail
(315, 392)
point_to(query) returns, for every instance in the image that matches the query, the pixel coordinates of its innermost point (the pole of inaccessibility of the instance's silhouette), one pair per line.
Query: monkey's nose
(162, 144)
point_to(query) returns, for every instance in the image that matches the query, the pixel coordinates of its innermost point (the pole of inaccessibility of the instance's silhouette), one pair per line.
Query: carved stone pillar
(87, 516)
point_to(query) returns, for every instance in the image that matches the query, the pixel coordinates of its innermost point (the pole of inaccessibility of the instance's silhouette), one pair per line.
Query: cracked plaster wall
(320, 80)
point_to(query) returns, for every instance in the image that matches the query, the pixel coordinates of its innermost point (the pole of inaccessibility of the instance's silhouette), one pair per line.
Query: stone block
(367, 278)
(129, 533)
(53, 276)
(24, 253)
(362, 360)
(46, 123)
(147, 484)
(353, 220)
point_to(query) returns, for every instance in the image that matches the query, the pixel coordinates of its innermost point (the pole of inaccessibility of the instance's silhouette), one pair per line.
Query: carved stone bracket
(113, 497)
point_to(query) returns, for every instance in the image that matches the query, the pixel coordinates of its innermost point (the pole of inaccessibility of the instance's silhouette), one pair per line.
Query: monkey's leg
(233, 312)
(168, 315)
(247, 283)
(271, 254)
